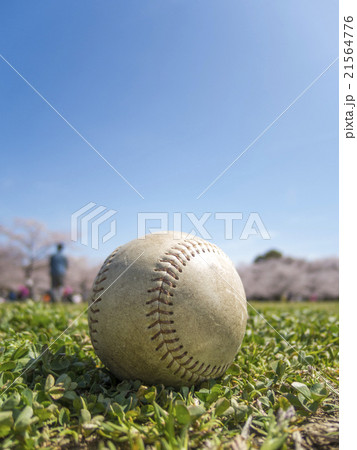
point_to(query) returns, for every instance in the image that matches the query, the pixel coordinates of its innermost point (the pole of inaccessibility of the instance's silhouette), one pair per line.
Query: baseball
(167, 310)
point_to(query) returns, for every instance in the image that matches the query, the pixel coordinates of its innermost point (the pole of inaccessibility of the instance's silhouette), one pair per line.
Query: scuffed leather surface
(177, 315)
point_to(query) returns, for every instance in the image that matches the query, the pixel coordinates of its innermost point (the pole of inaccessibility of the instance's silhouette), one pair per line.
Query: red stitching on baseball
(209, 365)
(160, 322)
(95, 290)
(177, 257)
(162, 332)
(166, 260)
(159, 311)
(161, 289)
(100, 281)
(180, 356)
(193, 366)
(94, 301)
(160, 300)
(193, 247)
(168, 271)
(165, 281)
(184, 374)
(185, 249)
(170, 364)
(168, 341)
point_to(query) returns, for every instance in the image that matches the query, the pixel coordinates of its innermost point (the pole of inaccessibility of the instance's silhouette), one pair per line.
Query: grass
(273, 396)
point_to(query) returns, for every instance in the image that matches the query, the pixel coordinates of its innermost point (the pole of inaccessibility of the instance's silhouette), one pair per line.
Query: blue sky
(171, 92)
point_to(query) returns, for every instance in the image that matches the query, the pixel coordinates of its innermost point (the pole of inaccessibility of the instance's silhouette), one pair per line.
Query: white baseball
(167, 310)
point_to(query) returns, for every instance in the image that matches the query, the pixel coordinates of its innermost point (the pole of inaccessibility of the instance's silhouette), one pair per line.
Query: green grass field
(281, 391)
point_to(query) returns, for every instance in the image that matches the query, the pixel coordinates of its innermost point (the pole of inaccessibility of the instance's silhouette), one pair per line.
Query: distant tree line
(273, 276)
(25, 247)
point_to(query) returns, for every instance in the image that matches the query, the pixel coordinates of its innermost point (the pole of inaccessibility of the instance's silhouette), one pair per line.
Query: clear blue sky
(171, 92)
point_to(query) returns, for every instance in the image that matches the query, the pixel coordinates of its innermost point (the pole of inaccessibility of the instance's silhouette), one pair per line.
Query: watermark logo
(154, 222)
(86, 222)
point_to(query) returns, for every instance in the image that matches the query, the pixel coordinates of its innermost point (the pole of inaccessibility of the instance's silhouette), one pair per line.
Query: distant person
(58, 269)
(12, 296)
(23, 292)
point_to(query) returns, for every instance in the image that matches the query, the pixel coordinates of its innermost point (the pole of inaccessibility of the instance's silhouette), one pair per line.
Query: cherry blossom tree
(25, 247)
(291, 278)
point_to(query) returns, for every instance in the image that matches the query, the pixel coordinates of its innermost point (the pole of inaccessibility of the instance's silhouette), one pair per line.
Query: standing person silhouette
(58, 269)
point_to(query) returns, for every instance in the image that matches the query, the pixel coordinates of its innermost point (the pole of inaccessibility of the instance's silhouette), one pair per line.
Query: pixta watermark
(253, 224)
(87, 224)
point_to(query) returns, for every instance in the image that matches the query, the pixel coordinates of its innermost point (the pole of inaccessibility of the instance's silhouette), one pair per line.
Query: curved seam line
(191, 246)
